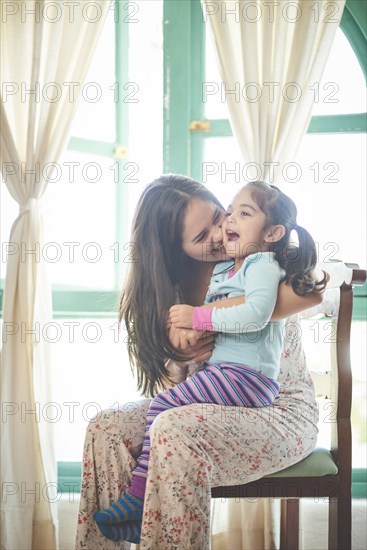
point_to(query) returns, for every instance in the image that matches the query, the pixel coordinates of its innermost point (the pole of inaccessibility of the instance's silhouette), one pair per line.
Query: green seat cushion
(319, 463)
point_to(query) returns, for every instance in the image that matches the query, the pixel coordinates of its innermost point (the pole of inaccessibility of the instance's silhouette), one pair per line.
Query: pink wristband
(202, 318)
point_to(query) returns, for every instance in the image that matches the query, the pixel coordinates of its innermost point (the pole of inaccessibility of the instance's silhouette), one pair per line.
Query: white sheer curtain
(271, 57)
(46, 49)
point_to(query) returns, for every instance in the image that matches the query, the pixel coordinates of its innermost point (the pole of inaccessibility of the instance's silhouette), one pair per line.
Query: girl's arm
(260, 281)
(263, 296)
(288, 302)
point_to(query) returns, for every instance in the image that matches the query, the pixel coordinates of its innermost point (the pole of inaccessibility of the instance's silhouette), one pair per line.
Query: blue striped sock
(126, 508)
(129, 531)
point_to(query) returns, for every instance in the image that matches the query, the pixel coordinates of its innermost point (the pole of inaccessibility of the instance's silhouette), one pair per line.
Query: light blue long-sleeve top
(246, 334)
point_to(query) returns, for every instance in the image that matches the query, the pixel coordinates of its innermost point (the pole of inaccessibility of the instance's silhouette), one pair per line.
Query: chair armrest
(359, 276)
(340, 273)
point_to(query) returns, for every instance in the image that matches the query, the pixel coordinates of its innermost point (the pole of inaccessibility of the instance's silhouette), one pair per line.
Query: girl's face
(244, 230)
(202, 237)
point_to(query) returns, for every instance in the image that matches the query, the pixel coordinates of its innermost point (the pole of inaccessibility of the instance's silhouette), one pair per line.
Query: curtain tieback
(31, 203)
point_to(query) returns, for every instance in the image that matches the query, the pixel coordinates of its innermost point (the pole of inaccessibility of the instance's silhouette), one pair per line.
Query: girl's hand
(181, 316)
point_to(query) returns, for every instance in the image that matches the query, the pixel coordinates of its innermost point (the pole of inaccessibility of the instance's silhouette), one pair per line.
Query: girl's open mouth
(232, 235)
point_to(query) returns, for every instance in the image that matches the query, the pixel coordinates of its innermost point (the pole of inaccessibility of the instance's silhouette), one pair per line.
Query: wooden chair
(324, 473)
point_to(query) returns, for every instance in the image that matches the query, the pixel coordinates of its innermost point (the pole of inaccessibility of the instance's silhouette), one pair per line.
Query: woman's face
(202, 238)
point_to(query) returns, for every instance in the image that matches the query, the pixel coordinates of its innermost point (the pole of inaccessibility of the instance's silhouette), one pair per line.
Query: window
(139, 127)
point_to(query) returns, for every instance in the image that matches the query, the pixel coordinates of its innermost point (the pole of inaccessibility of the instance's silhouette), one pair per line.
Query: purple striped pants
(222, 384)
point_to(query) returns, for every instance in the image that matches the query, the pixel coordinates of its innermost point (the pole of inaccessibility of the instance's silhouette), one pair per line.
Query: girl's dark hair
(298, 261)
(153, 281)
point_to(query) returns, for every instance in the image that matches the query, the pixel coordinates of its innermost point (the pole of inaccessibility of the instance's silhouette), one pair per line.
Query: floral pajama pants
(194, 448)
(223, 384)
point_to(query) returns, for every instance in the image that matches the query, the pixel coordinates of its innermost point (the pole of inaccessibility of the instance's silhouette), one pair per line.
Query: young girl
(240, 373)
(256, 234)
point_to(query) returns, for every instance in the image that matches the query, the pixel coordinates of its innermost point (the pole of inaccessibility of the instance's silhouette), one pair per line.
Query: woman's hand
(195, 344)
(181, 316)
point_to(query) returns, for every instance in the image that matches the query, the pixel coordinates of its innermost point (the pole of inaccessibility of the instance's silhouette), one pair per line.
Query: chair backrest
(335, 383)
(341, 431)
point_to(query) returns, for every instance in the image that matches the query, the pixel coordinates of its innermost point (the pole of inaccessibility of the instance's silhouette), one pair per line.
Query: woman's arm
(197, 345)
(177, 371)
(288, 303)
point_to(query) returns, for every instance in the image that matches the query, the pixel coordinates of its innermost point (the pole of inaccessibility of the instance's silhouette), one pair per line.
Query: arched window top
(342, 89)
(354, 25)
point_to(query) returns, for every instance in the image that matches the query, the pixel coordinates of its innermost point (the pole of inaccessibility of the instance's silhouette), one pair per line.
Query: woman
(196, 446)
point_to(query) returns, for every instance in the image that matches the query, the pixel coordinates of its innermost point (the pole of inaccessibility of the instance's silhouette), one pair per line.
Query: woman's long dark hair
(298, 261)
(152, 282)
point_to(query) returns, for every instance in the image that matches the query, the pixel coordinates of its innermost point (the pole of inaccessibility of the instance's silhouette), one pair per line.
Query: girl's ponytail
(299, 263)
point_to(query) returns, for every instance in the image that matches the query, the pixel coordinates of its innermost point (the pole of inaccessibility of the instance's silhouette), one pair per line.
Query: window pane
(79, 214)
(91, 372)
(95, 116)
(80, 210)
(315, 335)
(359, 401)
(146, 107)
(213, 106)
(342, 88)
(331, 194)
(222, 168)
(327, 182)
